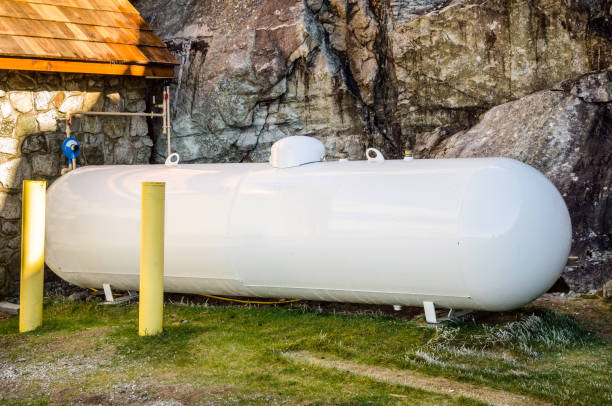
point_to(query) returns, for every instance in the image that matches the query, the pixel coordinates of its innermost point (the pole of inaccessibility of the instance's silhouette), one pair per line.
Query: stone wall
(33, 108)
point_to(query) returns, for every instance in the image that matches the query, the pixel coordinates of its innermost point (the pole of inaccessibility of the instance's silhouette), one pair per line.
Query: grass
(533, 334)
(236, 355)
(544, 354)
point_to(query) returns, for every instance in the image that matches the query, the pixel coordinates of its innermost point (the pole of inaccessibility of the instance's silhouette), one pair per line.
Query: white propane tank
(489, 234)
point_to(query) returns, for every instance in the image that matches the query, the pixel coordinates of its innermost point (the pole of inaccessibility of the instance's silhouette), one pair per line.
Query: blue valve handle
(71, 148)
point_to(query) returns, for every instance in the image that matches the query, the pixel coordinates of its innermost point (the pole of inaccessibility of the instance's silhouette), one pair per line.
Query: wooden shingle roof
(80, 36)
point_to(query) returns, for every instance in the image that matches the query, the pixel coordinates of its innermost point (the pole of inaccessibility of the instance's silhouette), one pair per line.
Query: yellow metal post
(32, 255)
(151, 306)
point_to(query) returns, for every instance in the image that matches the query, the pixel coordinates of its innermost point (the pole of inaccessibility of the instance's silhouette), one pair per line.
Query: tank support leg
(432, 318)
(430, 312)
(108, 293)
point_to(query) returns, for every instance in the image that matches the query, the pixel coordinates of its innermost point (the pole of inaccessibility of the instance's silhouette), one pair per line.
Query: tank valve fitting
(71, 150)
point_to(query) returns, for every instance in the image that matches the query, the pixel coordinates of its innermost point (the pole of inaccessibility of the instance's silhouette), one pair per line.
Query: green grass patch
(236, 355)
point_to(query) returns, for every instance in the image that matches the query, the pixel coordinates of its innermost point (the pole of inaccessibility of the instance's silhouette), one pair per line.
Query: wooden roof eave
(152, 70)
(80, 36)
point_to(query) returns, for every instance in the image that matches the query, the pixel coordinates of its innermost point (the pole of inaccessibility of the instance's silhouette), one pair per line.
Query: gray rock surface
(607, 289)
(10, 308)
(361, 73)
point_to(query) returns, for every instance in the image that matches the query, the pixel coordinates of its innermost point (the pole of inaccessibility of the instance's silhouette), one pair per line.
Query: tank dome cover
(295, 151)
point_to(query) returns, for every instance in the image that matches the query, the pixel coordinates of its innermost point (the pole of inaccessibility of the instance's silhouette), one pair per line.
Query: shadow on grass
(66, 317)
(176, 344)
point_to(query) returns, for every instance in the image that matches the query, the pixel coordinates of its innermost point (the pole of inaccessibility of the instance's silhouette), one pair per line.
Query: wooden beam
(42, 65)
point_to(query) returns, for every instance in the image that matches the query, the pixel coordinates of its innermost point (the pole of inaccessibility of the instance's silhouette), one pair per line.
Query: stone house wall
(33, 108)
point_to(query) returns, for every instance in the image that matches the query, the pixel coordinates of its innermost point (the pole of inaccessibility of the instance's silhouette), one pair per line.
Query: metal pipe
(151, 306)
(68, 121)
(163, 107)
(169, 126)
(32, 255)
(71, 166)
(109, 113)
(165, 115)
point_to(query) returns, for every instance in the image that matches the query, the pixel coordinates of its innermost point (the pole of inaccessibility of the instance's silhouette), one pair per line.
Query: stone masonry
(33, 108)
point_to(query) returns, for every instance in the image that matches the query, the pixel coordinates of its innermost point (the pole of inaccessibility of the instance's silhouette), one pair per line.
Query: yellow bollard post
(151, 305)
(32, 255)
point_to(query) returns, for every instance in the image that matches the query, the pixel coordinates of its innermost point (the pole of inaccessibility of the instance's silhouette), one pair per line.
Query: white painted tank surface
(488, 234)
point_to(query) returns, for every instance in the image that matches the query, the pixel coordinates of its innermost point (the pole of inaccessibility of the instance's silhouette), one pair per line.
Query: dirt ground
(592, 312)
(433, 384)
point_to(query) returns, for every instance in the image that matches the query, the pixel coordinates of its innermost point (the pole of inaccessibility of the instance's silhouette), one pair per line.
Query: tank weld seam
(229, 299)
(359, 291)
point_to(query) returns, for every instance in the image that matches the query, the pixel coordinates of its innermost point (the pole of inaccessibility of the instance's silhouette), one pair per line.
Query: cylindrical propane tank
(490, 234)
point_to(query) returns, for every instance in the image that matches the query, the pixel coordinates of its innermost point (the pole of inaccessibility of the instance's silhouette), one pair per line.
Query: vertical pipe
(164, 107)
(168, 123)
(151, 306)
(32, 255)
(68, 122)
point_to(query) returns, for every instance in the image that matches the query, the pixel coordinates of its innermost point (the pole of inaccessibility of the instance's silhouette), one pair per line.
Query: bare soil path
(440, 385)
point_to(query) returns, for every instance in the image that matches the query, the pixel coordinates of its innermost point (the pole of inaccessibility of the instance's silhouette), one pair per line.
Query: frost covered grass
(234, 354)
(542, 353)
(532, 334)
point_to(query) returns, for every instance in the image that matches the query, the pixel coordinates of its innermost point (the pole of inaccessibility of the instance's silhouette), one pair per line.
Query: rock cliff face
(403, 74)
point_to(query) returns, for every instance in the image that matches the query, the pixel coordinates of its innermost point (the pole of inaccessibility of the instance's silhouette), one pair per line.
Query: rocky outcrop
(252, 73)
(454, 63)
(374, 73)
(566, 133)
(361, 73)
(33, 108)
